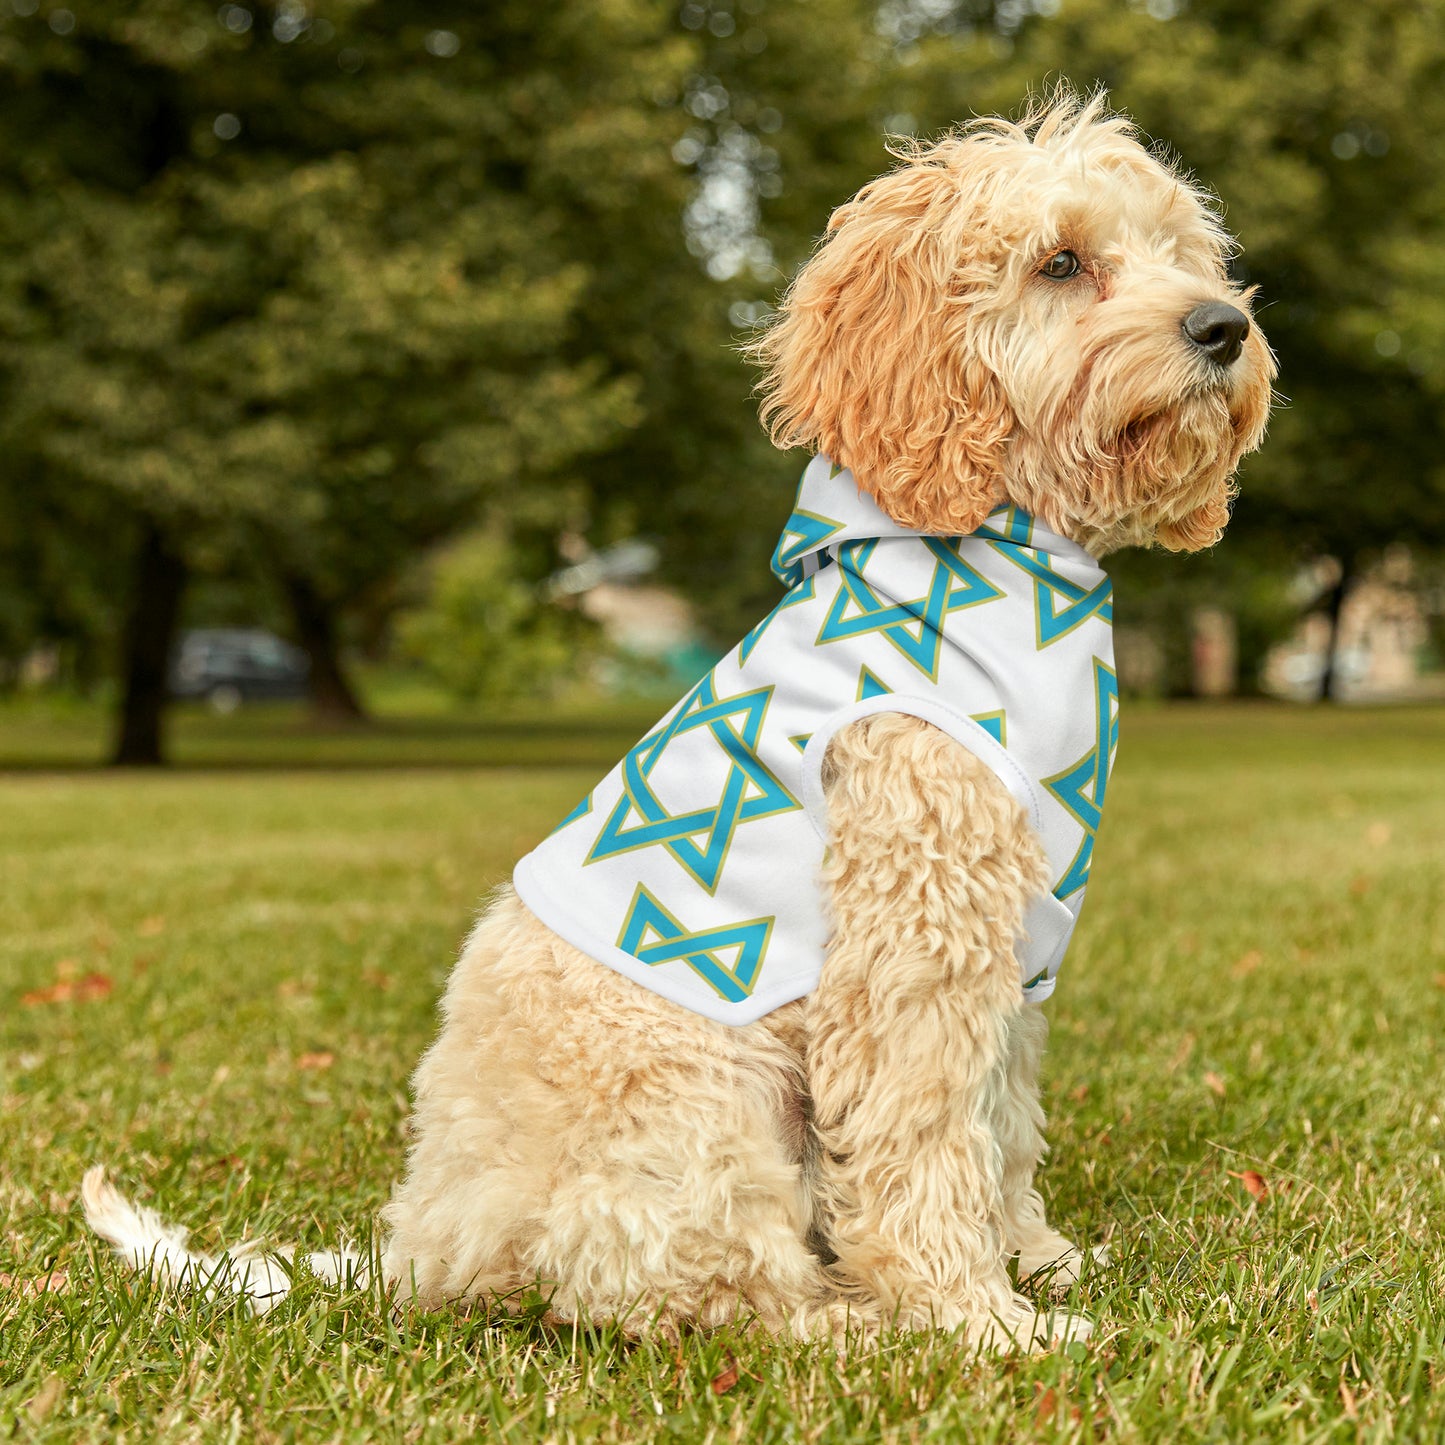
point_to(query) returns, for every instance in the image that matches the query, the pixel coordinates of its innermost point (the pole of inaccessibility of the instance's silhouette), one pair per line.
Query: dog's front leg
(1018, 1121)
(930, 866)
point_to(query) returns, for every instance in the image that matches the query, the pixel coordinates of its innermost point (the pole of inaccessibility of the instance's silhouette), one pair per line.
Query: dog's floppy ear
(870, 359)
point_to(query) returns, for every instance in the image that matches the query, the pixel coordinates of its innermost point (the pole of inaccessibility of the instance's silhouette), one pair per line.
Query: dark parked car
(230, 665)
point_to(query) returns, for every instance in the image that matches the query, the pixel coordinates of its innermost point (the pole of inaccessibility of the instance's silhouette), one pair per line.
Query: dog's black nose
(1217, 330)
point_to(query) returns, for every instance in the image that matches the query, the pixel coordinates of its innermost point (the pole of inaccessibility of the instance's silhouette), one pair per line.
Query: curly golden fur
(864, 1156)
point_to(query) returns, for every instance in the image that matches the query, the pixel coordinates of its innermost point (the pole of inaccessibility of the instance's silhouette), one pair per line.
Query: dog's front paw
(1023, 1326)
(1057, 1265)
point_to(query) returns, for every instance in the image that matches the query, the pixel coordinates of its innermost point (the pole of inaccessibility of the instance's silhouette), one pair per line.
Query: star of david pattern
(650, 933)
(871, 685)
(995, 724)
(915, 627)
(1059, 604)
(1081, 788)
(803, 532)
(700, 838)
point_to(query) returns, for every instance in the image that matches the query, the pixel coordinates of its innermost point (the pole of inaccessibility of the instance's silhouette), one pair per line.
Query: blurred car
(227, 666)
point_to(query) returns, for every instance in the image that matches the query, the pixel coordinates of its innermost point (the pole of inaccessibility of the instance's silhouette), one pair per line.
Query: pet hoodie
(693, 867)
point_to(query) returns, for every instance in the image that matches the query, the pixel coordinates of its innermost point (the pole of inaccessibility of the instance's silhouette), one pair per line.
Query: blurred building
(1382, 650)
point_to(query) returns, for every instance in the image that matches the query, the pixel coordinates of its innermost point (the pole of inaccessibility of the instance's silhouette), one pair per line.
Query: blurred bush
(483, 632)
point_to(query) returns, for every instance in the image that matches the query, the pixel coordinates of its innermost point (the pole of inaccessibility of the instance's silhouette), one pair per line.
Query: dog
(755, 1034)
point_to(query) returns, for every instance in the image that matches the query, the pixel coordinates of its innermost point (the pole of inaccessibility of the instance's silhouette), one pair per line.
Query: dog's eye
(1060, 266)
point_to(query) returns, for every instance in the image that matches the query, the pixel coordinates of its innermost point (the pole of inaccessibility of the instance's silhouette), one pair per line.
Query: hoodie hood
(832, 509)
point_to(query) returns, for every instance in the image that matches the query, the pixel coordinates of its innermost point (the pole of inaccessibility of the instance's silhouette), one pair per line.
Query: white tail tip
(148, 1244)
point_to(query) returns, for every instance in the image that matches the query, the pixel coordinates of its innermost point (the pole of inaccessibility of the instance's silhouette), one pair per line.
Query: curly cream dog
(1035, 315)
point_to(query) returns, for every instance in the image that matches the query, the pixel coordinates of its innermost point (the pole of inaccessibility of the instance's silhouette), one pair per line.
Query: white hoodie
(693, 867)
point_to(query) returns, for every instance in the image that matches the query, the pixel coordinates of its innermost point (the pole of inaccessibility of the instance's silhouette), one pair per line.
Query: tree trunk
(150, 630)
(333, 699)
(1329, 675)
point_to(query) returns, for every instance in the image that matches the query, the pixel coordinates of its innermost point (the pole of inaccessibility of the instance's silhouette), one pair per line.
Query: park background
(408, 333)
(415, 342)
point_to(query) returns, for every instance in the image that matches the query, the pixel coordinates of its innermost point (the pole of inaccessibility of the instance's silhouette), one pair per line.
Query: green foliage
(484, 634)
(306, 292)
(322, 910)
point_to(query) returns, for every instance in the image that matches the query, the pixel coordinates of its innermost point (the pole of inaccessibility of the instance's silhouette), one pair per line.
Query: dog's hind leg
(930, 867)
(578, 1135)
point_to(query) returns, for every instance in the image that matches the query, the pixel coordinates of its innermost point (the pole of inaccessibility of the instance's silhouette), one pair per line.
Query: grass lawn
(217, 980)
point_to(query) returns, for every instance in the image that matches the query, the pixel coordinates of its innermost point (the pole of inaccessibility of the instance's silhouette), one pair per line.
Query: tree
(297, 280)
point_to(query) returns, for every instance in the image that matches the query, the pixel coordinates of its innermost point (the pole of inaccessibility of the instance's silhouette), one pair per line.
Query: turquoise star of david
(803, 532)
(995, 724)
(701, 838)
(1010, 538)
(914, 628)
(1082, 787)
(651, 934)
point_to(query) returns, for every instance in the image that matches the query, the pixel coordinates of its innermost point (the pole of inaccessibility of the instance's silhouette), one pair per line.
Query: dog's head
(1035, 312)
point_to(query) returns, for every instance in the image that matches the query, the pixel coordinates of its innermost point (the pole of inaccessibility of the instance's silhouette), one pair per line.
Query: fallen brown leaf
(1045, 1409)
(80, 990)
(321, 1059)
(56, 993)
(377, 979)
(1080, 1094)
(1360, 885)
(1181, 1054)
(56, 1282)
(723, 1382)
(1214, 1083)
(1247, 964)
(1255, 1184)
(1347, 1399)
(1440, 980)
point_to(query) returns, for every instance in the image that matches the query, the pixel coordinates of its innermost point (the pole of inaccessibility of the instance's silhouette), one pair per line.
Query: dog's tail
(147, 1243)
